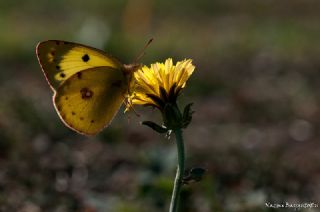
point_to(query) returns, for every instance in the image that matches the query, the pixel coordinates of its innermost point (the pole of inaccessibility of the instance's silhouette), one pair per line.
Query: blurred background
(255, 92)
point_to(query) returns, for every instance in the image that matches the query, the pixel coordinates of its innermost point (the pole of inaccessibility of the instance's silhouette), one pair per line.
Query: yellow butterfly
(89, 85)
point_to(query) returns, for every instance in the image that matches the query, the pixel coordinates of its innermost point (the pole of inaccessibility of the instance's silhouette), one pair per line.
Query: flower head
(161, 83)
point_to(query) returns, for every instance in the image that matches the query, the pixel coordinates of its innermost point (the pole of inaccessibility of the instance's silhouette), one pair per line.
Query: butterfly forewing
(60, 60)
(88, 100)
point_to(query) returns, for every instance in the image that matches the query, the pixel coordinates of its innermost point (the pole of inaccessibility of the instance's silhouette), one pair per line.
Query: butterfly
(89, 85)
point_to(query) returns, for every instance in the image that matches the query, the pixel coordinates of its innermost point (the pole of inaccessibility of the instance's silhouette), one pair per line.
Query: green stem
(180, 172)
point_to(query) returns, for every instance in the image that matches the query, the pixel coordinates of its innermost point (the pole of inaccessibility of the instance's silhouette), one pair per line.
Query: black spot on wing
(58, 67)
(62, 75)
(85, 58)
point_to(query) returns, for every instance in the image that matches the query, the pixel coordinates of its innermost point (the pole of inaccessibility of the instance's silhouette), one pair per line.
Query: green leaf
(155, 126)
(194, 175)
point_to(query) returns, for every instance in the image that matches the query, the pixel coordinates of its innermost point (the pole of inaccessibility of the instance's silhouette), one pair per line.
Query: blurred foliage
(255, 93)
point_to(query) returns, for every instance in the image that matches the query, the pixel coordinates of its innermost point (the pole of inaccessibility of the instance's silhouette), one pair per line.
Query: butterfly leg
(127, 102)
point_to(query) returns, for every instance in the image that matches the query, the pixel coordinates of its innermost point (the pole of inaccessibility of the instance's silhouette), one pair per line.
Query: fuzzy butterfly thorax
(131, 68)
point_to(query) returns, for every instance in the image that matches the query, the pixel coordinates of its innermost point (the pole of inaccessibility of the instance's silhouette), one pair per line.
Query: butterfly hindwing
(60, 60)
(88, 100)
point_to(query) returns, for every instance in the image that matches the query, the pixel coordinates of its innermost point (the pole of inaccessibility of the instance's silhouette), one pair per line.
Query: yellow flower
(161, 83)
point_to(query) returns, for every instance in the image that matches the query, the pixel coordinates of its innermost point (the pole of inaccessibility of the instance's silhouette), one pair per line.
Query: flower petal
(167, 76)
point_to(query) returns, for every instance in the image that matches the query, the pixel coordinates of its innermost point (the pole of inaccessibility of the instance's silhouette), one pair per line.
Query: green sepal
(155, 127)
(172, 116)
(187, 115)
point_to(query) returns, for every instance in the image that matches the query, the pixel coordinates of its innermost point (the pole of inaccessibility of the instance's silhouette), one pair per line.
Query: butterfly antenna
(142, 52)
